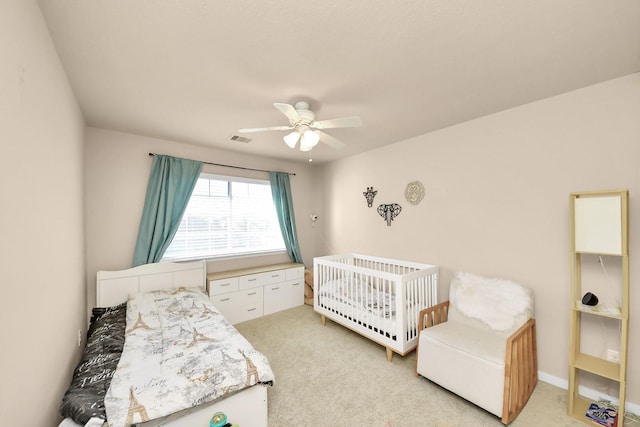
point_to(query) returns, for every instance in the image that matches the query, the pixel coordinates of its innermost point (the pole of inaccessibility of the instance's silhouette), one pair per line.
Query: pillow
(84, 399)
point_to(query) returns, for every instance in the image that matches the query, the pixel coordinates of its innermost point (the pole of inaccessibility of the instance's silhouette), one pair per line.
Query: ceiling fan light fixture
(309, 140)
(291, 139)
(303, 126)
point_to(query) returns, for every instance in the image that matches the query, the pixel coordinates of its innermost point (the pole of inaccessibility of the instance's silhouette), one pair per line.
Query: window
(227, 216)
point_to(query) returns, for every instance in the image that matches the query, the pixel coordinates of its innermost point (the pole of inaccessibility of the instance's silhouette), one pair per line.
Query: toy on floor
(219, 419)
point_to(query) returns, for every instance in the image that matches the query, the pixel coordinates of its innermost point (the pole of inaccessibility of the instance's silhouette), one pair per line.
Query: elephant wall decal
(389, 212)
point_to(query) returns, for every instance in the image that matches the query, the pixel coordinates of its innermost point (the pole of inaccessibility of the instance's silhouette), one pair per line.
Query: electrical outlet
(79, 337)
(613, 356)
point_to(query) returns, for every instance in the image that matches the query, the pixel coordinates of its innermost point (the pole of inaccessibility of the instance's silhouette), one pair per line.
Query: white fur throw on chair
(495, 302)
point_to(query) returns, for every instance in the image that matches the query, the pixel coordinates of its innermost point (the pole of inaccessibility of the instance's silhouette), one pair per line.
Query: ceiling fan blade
(288, 111)
(344, 122)
(265, 129)
(331, 141)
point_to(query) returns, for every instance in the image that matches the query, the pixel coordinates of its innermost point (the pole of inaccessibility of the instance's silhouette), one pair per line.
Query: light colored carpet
(330, 376)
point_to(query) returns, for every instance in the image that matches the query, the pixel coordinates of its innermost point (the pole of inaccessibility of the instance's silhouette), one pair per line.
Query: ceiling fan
(306, 128)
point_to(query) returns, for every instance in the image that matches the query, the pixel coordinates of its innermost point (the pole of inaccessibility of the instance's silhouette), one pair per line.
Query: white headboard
(114, 287)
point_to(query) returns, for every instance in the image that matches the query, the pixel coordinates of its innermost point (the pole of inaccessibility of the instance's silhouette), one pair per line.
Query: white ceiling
(196, 71)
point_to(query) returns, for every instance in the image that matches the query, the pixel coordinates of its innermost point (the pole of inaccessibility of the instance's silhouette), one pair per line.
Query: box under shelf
(579, 411)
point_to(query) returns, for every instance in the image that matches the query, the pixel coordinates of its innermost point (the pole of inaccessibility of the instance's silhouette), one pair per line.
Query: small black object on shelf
(589, 299)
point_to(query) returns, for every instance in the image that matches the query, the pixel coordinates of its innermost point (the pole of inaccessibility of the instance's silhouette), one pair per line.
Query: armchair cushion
(483, 343)
(468, 361)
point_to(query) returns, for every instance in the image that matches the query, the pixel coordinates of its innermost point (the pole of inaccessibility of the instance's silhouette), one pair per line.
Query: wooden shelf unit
(599, 226)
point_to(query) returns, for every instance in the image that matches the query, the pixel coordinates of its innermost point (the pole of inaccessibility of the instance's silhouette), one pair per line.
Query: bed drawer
(223, 286)
(281, 296)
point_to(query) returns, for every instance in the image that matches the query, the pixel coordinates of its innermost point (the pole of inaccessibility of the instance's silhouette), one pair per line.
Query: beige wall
(497, 193)
(118, 167)
(41, 221)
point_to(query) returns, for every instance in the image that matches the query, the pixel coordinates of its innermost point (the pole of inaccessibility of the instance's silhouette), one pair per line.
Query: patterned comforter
(179, 352)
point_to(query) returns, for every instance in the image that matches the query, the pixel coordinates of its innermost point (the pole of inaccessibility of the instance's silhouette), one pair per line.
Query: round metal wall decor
(414, 192)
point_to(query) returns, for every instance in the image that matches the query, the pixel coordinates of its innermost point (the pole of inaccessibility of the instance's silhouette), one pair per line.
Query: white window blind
(227, 216)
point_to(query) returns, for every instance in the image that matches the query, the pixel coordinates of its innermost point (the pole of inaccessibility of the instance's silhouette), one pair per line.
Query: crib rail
(377, 297)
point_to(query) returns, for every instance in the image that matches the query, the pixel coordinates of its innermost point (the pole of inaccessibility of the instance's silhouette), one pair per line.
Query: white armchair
(481, 344)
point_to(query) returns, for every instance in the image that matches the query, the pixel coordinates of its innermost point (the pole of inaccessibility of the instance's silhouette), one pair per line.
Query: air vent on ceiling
(239, 138)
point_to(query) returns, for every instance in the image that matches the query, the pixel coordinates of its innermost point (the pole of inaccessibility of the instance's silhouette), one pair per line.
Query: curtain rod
(234, 167)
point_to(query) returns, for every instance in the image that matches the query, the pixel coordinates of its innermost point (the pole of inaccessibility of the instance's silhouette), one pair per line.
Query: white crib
(379, 298)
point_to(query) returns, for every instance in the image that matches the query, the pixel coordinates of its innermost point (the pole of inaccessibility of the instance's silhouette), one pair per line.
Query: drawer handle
(275, 275)
(295, 284)
(252, 309)
(276, 288)
(225, 284)
(251, 280)
(225, 299)
(252, 293)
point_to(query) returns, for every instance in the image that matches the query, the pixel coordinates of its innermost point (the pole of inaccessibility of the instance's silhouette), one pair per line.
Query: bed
(380, 298)
(181, 361)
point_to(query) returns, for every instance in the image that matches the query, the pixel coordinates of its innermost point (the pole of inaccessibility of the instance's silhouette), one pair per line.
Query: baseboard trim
(586, 391)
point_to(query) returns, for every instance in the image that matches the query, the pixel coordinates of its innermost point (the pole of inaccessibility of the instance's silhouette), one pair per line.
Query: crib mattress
(360, 302)
(360, 294)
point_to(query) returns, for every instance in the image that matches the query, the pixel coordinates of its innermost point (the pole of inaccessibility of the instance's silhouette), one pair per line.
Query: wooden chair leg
(521, 370)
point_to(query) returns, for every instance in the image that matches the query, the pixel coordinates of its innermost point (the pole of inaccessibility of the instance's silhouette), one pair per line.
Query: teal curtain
(171, 183)
(281, 193)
